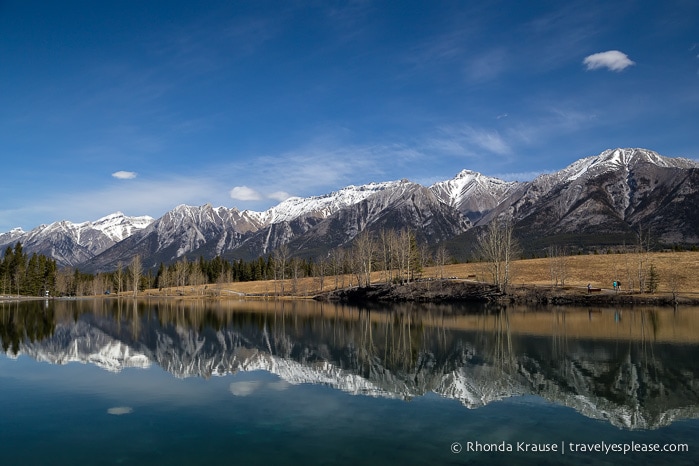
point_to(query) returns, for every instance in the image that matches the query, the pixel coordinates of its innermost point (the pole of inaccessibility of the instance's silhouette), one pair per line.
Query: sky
(139, 106)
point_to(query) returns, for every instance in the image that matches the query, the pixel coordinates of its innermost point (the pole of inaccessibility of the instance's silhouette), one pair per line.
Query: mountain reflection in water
(635, 368)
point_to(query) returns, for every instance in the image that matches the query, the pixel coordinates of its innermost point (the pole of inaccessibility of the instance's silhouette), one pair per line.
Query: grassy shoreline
(531, 281)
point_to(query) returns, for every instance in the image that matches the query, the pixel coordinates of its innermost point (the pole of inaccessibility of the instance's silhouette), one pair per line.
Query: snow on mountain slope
(472, 193)
(610, 194)
(11, 237)
(612, 160)
(117, 226)
(569, 195)
(74, 243)
(323, 206)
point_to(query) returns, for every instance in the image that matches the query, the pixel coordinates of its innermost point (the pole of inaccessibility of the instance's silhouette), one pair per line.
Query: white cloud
(124, 175)
(613, 60)
(279, 196)
(243, 193)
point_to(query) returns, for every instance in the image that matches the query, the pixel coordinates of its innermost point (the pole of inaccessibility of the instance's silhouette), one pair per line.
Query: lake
(112, 381)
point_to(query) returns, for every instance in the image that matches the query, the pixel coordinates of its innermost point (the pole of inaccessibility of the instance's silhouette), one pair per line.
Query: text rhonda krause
(563, 447)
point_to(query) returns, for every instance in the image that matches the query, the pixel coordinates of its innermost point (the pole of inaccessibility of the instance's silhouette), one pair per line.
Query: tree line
(26, 275)
(396, 254)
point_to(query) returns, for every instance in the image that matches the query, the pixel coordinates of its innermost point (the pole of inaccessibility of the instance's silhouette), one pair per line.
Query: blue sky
(139, 106)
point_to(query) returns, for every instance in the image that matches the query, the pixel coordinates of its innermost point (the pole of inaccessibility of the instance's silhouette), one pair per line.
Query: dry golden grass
(677, 271)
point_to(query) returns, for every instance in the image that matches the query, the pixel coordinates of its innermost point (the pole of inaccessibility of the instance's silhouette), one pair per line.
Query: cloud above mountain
(243, 193)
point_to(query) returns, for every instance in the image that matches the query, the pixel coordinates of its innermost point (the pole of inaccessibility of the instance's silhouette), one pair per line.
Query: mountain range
(596, 201)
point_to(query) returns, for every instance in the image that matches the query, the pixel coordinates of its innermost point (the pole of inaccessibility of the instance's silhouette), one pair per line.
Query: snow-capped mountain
(311, 225)
(323, 206)
(72, 244)
(396, 206)
(610, 196)
(206, 229)
(472, 193)
(11, 237)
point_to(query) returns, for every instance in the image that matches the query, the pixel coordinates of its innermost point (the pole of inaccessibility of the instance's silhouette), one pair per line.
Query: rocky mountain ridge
(608, 197)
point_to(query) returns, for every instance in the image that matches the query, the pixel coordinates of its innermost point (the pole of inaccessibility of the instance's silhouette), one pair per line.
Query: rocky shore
(447, 291)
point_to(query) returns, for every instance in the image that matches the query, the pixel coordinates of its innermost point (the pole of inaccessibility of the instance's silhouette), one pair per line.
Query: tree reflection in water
(635, 368)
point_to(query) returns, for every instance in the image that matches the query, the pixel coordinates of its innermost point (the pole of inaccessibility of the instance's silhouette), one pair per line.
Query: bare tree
(197, 278)
(364, 250)
(558, 265)
(98, 284)
(181, 272)
(281, 257)
(119, 277)
(321, 268)
(643, 253)
(406, 255)
(135, 270)
(295, 266)
(498, 247)
(336, 256)
(64, 281)
(441, 258)
(387, 241)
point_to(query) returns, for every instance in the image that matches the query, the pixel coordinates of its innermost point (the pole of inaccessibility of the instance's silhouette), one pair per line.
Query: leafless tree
(135, 270)
(181, 272)
(643, 239)
(281, 257)
(387, 240)
(558, 265)
(364, 250)
(498, 248)
(336, 256)
(119, 277)
(405, 254)
(441, 258)
(321, 269)
(98, 284)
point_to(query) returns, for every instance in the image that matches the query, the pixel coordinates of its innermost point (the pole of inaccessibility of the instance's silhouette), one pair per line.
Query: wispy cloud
(319, 165)
(467, 140)
(124, 175)
(487, 65)
(613, 60)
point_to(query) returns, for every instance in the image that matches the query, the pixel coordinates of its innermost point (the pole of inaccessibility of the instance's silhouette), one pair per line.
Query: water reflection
(634, 368)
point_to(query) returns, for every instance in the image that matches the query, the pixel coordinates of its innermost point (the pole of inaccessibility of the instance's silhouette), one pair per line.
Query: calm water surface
(156, 382)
